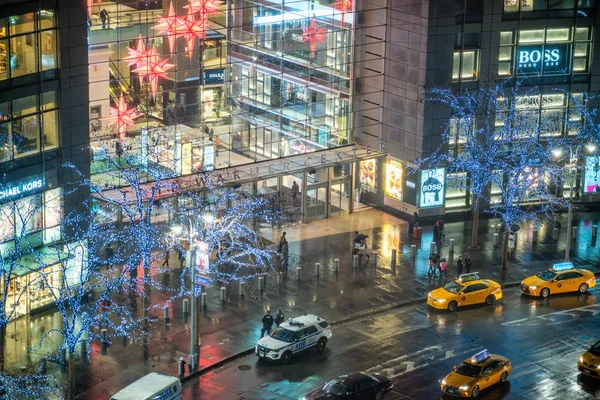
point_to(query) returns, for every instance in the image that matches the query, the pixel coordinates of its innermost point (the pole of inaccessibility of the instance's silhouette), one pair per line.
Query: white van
(154, 386)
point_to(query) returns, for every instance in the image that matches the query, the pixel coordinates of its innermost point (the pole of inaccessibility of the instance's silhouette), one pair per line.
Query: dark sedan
(357, 385)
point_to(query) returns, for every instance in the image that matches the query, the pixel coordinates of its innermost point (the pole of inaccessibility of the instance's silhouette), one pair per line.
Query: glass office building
(216, 85)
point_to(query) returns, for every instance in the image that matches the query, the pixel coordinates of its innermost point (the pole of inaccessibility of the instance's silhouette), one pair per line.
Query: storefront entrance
(339, 197)
(316, 202)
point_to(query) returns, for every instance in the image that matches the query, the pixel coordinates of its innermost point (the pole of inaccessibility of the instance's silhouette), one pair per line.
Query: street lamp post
(194, 336)
(195, 340)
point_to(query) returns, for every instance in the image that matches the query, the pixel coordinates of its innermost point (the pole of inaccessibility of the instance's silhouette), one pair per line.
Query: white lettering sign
(20, 188)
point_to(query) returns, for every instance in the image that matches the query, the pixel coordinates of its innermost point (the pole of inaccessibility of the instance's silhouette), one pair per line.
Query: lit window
(465, 66)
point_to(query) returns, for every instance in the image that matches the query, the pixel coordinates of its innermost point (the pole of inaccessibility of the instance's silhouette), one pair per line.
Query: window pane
(23, 58)
(505, 53)
(48, 49)
(24, 106)
(7, 222)
(580, 65)
(49, 100)
(456, 65)
(558, 35)
(582, 34)
(581, 49)
(47, 19)
(511, 5)
(6, 148)
(504, 69)
(3, 59)
(506, 38)
(3, 31)
(50, 129)
(26, 134)
(562, 5)
(536, 36)
(21, 24)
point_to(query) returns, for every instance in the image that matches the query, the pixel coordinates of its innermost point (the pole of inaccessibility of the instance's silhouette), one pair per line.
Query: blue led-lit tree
(130, 182)
(22, 234)
(496, 136)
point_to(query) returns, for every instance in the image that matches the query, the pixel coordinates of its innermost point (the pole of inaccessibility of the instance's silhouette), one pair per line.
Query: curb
(348, 318)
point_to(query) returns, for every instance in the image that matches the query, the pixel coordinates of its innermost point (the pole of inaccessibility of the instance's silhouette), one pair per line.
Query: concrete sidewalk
(232, 327)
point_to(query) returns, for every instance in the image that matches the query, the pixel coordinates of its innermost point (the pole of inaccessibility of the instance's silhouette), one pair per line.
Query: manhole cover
(244, 367)
(368, 322)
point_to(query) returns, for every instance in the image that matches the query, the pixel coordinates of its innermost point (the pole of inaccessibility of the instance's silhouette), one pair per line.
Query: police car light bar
(562, 266)
(473, 276)
(479, 357)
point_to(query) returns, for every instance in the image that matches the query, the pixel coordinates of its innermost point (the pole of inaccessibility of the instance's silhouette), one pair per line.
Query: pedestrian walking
(431, 270)
(459, 266)
(295, 192)
(211, 134)
(282, 241)
(181, 257)
(441, 227)
(217, 143)
(279, 318)
(285, 253)
(443, 266)
(468, 263)
(267, 322)
(104, 17)
(436, 231)
(133, 274)
(166, 262)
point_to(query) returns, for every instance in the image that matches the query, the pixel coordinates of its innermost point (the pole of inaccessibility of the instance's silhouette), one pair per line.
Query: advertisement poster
(592, 167)
(202, 263)
(368, 177)
(432, 188)
(393, 179)
(209, 158)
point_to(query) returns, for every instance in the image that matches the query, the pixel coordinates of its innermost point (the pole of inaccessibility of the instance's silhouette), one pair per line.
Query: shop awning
(37, 260)
(253, 172)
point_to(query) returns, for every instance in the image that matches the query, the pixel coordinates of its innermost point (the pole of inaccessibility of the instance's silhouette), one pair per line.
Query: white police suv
(295, 335)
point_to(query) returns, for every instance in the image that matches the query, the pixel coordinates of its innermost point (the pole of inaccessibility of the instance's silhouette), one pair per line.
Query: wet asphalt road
(417, 346)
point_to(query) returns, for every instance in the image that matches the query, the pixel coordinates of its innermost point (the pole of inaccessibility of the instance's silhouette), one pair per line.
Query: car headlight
(581, 359)
(443, 381)
(532, 287)
(463, 388)
(598, 367)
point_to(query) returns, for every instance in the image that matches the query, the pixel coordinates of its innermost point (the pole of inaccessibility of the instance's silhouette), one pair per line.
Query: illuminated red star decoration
(122, 116)
(192, 28)
(204, 7)
(345, 6)
(90, 4)
(168, 26)
(312, 34)
(138, 56)
(153, 68)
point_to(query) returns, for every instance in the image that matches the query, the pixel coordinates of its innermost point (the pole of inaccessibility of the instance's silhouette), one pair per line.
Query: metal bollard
(317, 269)
(374, 260)
(496, 239)
(393, 259)
(336, 265)
(534, 236)
(555, 234)
(241, 289)
(166, 315)
(261, 283)
(181, 366)
(203, 300)
(355, 261)
(574, 235)
(222, 293)
(186, 308)
(594, 231)
(451, 245)
(413, 251)
(103, 334)
(299, 273)
(431, 248)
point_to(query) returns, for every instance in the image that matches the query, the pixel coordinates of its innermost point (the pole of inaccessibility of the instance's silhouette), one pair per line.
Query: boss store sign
(543, 59)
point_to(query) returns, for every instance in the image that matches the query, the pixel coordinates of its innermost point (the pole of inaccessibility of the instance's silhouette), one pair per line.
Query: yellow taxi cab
(475, 374)
(589, 362)
(561, 278)
(468, 289)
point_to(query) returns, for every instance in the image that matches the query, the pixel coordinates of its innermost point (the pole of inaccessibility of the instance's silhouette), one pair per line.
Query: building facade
(549, 47)
(43, 91)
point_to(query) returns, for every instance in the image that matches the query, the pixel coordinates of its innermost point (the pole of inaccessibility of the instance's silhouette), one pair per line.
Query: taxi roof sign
(473, 276)
(562, 266)
(479, 357)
